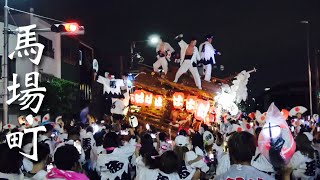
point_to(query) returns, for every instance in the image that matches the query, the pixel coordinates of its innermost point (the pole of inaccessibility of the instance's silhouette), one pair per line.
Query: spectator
(38, 171)
(183, 132)
(26, 147)
(217, 146)
(74, 140)
(162, 144)
(188, 160)
(197, 141)
(114, 164)
(259, 161)
(316, 146)
(242, 147)
(10, 163)
(146, 156)
(147, 150)
(303, 160)
(45, 137)
(66, 160)
(98, 137)
(168, 168)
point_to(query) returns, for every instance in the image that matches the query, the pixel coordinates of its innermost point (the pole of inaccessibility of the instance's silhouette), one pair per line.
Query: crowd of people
(108, 150)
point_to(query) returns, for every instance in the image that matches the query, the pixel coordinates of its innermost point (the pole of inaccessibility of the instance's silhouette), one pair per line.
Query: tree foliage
(61, 97)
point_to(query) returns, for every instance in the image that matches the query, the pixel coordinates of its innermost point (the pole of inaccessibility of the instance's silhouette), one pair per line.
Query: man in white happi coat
(207, 53)
(189, 57)
(164, 51)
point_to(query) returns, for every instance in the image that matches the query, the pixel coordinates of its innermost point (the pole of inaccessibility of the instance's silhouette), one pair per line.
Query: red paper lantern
(139, 97)
(158, 102)
(202, 109)
(178, 100)
(191, 103)
(148, 98)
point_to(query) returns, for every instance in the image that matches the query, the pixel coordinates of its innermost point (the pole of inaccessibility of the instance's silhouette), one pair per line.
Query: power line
(44, 17)
(12, 18)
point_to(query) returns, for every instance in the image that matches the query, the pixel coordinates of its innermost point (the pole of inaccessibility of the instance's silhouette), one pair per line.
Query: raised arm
(169, 47)
(183, 44)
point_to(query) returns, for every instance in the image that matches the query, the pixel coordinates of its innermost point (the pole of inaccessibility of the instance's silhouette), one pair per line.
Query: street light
(153, 40)
(267, 89)
(309, 64)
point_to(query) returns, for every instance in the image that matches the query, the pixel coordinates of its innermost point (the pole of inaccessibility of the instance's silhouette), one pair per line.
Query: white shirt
(139, 166)
(189, 156)
(12, 176)
(45, 139)
(223, 164)
(152, 174)
(299, 166)
(238, 171)
(208, 53)
(166, 47)
(219, 151)
(117, 161)
(261, 163)
(117, 106)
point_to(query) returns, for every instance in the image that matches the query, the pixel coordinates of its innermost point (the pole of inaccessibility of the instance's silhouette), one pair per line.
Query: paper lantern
(191, 103)
(202, 109)
(132, 101)
(178, 100)
(139, 97)
(158, 101)
(148, 98)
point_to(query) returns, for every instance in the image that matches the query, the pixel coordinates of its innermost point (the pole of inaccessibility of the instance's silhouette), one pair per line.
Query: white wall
(49, 65)
(24, 65)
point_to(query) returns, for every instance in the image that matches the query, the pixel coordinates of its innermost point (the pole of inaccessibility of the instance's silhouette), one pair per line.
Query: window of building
(48, 47)
(11, 68)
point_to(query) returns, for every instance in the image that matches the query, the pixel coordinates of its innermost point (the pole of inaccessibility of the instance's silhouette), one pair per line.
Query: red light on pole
(71, 27)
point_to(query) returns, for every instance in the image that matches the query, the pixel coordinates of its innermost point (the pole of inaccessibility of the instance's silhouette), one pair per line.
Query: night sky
(249, 33)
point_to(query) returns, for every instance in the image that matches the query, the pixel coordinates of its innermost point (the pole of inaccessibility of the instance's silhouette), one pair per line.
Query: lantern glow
(158, 101)
(139, 97)
(148, 98)
(191, 103)
(202, 109)
(132, 99)
(178, 100)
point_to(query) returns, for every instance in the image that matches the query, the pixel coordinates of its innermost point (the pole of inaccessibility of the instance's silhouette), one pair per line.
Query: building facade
(64, 57)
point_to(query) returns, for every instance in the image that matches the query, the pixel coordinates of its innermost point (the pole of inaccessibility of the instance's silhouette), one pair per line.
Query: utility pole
(5, 64)
(317, 54)
(132, 46)
(307, 23)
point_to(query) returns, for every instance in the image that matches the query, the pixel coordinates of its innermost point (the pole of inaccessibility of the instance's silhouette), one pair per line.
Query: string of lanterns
(199, 107)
